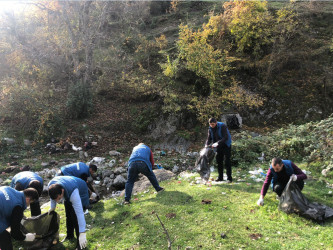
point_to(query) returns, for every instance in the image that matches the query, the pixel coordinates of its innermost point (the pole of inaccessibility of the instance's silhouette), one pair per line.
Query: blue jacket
(69, 184)
(141, 153)
(75, 169)
(9, 199)
(219, 132)
(287, 166)
(24, 178)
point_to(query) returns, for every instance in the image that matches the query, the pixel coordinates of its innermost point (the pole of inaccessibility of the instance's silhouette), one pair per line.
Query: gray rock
(107, 180)
(175, 169)
(119, 170)
(81, 155)
(327, 170)
(45, 164)
(109, 185)
(9, 140)
(114, 153)
(106, 173)
(26, 142)
(119, 182)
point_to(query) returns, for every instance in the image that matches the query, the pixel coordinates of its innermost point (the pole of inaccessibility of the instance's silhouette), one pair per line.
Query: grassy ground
(233, 213)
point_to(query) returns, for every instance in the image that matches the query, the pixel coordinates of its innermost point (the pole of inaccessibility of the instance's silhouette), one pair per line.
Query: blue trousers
(134, 169)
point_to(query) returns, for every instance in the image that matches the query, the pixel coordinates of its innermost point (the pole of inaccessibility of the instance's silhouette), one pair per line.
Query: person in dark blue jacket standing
(12, 205)
(219, 135)
(27, 179)
(140, 161)
(74, 192)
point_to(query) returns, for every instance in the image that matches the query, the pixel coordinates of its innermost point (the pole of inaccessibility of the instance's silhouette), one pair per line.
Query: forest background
(116, 71)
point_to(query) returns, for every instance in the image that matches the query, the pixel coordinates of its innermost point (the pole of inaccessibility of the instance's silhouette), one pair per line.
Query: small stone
(223, 235)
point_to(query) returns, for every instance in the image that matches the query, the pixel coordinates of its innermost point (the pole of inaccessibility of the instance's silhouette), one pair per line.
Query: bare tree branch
(166, 232)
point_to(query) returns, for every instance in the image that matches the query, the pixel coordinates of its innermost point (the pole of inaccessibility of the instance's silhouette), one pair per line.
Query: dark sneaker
(71, 238)
(126, 203)
(161, 190)
(219, 179)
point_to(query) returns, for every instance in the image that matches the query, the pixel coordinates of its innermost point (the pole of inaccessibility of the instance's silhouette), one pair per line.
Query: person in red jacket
(278, 176)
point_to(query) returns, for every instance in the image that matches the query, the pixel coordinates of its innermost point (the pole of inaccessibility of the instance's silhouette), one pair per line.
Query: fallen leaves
(255, 236)
(170, 215)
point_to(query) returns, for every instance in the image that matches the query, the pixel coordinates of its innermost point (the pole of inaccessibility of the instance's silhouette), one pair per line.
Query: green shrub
(50, 126)
(311, 142)
(79, 101)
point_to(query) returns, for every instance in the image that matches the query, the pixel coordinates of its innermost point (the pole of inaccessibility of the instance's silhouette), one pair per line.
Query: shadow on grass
(172, 198)
(252, 188)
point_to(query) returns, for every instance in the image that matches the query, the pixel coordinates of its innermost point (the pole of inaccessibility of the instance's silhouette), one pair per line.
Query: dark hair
(55, 190)
(276, 160)
(212, 120)
(93, 167)
(36, 185)
(31, 193)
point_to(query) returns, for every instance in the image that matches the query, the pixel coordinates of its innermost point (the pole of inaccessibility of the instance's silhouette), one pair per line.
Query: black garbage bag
(203, 162)
(46, 228)
(293, 201)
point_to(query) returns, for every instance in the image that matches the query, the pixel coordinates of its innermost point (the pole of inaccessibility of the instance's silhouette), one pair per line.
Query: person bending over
(27, 179)
(75, 194)
(12, 205)
(140, 161)
(278, 175)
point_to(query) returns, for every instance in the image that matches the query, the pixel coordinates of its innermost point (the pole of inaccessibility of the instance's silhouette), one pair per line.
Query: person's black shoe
(126, 203)
(70, 238)
(219, 179)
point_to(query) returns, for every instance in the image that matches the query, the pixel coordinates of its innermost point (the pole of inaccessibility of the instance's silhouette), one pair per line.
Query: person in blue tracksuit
(27, 179)
(219, 135)
(75, 194)
(12, 205)
(140, 161)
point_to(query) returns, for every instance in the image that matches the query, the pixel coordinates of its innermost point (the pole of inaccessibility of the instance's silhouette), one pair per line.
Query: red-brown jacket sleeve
(298, 172)
(152, 159)
(267, 182)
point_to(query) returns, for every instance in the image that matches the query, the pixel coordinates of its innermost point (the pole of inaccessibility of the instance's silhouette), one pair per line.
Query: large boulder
(143, 183)
(119, 182)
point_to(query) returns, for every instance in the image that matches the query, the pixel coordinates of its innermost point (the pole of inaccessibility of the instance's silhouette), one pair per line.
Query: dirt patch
(170, 215)
(255, 236)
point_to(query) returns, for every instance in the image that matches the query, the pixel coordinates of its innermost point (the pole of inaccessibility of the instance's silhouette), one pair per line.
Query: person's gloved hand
(93, 196)
(215, 144)
(294, 177)
(260, 202)
(83, 240)
(30, 237)
(50, 210)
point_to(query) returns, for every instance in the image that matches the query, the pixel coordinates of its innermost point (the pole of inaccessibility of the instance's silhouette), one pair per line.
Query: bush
(21, 106)
(310, 142)
(50, 126)
(79, 101)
